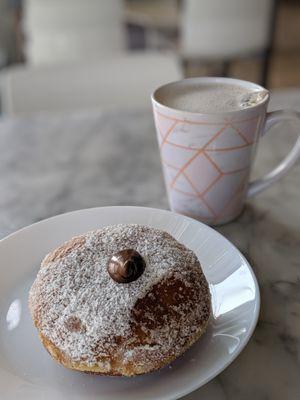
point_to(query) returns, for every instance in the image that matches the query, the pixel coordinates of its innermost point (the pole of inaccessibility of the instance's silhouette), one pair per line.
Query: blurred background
(68, 54)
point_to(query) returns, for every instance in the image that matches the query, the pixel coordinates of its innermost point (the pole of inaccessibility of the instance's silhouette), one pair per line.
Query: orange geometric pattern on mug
(207, 172)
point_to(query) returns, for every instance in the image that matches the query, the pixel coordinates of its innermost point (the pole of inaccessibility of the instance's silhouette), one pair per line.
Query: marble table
(51, 164)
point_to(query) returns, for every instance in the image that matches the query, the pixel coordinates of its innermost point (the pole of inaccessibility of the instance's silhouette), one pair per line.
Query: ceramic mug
(207, 158)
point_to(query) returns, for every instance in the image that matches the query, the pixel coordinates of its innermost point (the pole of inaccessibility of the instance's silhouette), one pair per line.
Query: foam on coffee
(209, 97)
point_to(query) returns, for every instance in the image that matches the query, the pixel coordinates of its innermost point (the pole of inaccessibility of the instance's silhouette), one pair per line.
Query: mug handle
(263, 183)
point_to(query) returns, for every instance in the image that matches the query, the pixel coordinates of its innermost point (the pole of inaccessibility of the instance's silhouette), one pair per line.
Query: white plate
(28, 372)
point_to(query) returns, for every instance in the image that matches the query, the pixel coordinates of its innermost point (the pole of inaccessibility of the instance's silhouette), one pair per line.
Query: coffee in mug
(210, 98)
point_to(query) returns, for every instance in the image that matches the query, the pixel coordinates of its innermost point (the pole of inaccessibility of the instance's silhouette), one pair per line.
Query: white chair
(119, 81)
(225, 29)
(60, 31)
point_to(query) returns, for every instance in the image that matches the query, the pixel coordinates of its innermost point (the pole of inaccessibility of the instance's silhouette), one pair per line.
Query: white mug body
(207, 158)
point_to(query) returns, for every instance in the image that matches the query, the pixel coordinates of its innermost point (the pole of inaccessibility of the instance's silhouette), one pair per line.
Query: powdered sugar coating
(81, 310)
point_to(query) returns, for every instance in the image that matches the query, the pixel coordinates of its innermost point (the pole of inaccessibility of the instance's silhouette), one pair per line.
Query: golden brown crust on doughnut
(119, 369)
(64, 250)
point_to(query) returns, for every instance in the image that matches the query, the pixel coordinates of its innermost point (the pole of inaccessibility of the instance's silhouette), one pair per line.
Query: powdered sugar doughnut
(89, 322)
